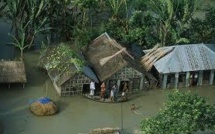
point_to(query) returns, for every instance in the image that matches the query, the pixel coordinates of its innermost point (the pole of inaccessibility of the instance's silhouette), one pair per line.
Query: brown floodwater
(77, 114)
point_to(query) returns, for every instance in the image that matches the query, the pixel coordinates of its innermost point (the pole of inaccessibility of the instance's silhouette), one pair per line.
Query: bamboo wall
(74, 86)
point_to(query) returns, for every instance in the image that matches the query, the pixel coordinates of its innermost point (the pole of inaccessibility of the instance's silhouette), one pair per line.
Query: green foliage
(2, 8)
(141, 29)
(87, 3)
(146, 22)
(27, 15)
(62, 58)
(203, 30)
(183, 113)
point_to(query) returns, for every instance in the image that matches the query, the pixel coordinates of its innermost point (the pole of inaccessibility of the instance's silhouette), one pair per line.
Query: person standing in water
(112, 93)
(92, 88)
(103, 89)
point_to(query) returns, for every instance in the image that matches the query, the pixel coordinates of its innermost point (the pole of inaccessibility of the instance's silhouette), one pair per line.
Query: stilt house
(182, 65)
(12, 72)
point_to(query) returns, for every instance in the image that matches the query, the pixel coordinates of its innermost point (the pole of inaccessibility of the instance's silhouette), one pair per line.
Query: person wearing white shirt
(92, 88)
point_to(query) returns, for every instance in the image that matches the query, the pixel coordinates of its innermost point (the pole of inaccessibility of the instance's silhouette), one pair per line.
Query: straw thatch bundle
(153, 55)
(43, 109)
(105, 131)
(12, 72)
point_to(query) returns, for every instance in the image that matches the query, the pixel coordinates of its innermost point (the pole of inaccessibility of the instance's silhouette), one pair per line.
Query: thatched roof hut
(107, 57)
(65, 71)
(12, 72)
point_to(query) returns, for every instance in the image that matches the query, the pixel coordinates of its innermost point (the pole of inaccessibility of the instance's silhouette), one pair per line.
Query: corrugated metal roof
(186, 58)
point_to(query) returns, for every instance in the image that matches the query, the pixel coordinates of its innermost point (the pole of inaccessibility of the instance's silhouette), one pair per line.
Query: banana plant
(171, 15)
(31, 14)
(20, 41)
(116, 6)
(14, 13)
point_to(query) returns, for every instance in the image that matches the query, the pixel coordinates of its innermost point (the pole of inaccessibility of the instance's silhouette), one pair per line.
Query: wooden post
(141, 81)
(211, 77)
(164, 81)
(118, 84)
(200, 78)
(130, 85)
(187, 79)
(176, 80)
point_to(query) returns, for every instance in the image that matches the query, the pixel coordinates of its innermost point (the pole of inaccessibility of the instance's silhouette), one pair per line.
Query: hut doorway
(98, 89)
(194, 78)
(124, 85)
(86, 89)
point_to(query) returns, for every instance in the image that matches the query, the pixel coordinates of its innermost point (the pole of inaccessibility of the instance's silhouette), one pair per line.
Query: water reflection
(6, 51)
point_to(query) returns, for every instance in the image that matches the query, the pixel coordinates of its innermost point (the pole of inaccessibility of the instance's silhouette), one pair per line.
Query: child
(133, 107)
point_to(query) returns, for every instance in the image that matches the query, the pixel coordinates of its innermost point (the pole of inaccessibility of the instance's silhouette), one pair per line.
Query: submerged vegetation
(61, 58)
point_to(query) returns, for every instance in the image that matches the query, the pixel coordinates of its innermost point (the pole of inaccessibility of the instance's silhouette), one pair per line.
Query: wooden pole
(211, 77)
(187, 79)
(164, 81)
(176, 80)
(200, 78)
(142, 81)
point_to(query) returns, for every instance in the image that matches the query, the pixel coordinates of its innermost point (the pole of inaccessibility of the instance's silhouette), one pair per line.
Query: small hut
(69, 77)
(184, 65)
(12, 72)
(115, 65)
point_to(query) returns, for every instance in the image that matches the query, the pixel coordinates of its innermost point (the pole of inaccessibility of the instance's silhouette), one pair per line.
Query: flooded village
(104, 71)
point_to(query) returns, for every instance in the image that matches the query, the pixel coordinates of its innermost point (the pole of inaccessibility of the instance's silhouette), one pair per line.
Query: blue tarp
(42, 100)
(90, 73)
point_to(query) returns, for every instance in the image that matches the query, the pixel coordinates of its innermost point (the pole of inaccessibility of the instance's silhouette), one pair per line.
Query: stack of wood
(153, 55)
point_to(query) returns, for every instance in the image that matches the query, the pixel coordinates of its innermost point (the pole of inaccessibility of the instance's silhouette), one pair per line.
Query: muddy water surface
(77, 114)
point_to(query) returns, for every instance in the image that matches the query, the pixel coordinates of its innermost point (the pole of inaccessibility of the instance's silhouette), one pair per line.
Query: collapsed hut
(12, 72)
(182, 65)
(114, 64)
(67, 70)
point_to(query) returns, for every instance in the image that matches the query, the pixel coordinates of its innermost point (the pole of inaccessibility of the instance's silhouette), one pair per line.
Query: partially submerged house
(182, 65)
(114, 64)
(69, 77)
(12, 72)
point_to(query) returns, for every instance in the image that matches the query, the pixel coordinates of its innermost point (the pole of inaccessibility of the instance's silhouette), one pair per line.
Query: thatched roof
(63, 70)
(107, 57)
(185, 58)
(12, 72)
(154, 55)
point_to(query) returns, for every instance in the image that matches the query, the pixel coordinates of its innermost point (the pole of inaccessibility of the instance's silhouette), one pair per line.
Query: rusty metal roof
(186, 58)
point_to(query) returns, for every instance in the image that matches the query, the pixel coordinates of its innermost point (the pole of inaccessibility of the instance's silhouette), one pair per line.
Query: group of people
(113, 91)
